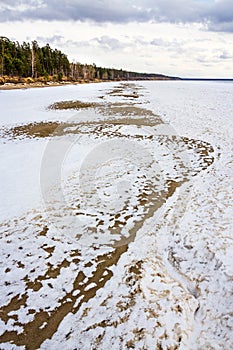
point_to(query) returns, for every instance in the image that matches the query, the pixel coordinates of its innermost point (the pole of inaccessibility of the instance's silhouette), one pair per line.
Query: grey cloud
(109, 43)
(226, 56)
(157, 42)
(55, 39)
(221, 27)
(221, 16)
(104, 42)
(166, 43)
(222, 12)
(98, 11)
(217, 14)
(174, 46)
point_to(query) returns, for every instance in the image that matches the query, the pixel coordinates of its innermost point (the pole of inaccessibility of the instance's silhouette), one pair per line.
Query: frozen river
(116, 216)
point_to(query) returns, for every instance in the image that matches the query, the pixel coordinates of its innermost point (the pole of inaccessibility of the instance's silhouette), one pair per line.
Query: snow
(71, 204)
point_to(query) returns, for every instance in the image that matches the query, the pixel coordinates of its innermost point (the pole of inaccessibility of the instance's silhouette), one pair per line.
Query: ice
(88, 257)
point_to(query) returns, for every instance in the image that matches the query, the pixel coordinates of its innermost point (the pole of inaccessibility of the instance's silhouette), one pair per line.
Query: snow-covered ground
(116, 226)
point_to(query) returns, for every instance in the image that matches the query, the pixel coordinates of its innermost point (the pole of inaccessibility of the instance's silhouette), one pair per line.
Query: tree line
(29, 60)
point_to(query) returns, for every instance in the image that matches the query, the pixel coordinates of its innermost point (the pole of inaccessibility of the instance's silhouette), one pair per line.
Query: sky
(186, 38)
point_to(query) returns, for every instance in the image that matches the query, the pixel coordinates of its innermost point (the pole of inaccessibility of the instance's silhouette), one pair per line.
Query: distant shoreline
(38, 84)
(17, 86)
(207, 79)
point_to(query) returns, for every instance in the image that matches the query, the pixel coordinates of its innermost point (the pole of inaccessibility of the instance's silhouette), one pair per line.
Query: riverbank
(41, 84)
(13, 86)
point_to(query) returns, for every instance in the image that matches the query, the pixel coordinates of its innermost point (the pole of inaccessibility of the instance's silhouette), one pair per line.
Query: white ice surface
(186, 250)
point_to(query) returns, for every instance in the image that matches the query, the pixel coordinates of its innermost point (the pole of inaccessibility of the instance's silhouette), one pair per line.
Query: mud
(63, 105)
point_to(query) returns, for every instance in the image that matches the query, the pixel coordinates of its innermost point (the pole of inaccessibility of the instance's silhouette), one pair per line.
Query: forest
(29, 60)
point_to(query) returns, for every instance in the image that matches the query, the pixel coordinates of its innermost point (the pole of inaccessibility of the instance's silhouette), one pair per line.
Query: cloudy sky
(187, 38)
